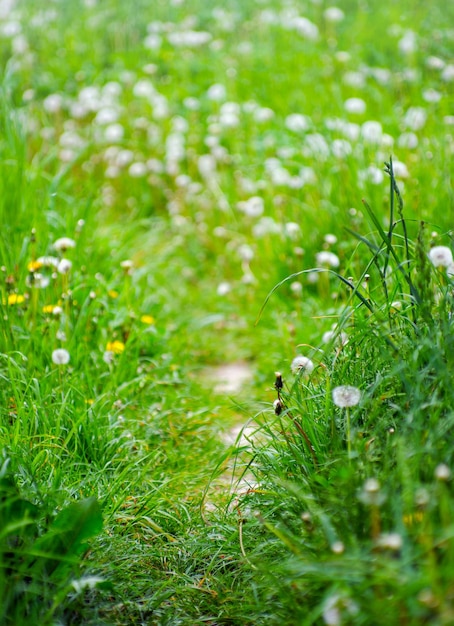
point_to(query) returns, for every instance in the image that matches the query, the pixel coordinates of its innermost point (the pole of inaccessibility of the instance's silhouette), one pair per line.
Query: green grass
(122, 497)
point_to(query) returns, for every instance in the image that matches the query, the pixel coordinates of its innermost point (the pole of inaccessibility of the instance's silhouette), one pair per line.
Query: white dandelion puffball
(336, 336)
(333, 14)
(442, 472)
(327, 259)
(302, 364)
(355, 105)
(441, 256)
(64, 267)
(253, 207)
(346, 396)
(390, 541)
(64, 243)
(297, 122)
(60, 356)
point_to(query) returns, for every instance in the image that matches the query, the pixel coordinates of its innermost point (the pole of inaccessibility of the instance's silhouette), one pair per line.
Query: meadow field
(227, 300)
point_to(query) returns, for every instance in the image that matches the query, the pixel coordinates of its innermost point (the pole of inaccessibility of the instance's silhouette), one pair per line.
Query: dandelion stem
(349, 441)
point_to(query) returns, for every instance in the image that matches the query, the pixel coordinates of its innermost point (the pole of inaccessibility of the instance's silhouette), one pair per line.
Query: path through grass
(163, 166)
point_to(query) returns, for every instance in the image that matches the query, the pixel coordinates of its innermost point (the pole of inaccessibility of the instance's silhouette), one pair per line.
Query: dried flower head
(278, 382)
(346, 396)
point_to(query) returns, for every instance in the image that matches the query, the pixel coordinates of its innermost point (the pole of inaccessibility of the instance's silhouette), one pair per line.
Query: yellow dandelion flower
(112, 293)
(413, 518)
(33, 266)
(148, 319)
(14, 298)
(117, 347)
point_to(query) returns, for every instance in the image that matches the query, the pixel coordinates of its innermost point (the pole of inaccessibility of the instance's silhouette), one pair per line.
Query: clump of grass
(366, 528)
(41, 552)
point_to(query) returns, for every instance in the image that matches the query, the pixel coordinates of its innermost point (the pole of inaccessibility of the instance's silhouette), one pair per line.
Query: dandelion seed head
(60, 356)
(335, 335)
(441, 256)
(337, 547)
(408, 43)
(253, 207)
(346, 396)
(342, 56)
(302, 364)
(372, 132)
(390, 541)
(371, 485)
(137, 169)
(356, 106)
(447, 73)
(435, 63)
(442, 472)
(409, 141)
(327, 259)
(354, 79)
(330, 239)
(371, 494)
(339, 609)
(428, 598)
(216, 92)
(431, 95)
(64, 267)
(108, 357)
(127, 265)
(114, 133)
(292, 229)
(422, 497)
(296, 122)
(223, 288)
(296, 287)
(63, 244)
(37, 280)
(415, 118)
(245, 252)
(333, 14)
(53, 103)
